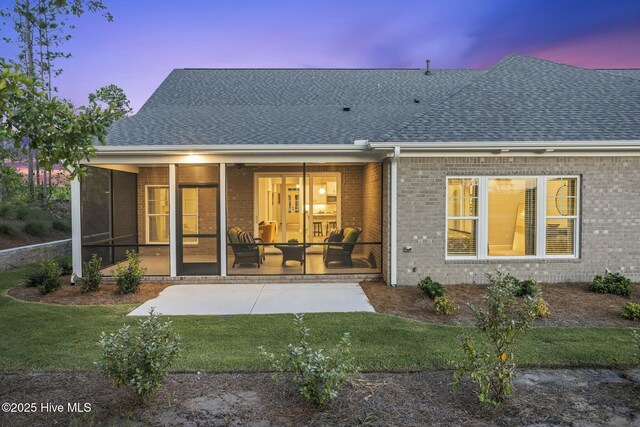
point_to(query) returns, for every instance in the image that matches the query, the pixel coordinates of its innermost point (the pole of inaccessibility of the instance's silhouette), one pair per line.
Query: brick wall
(609, 225)
(150, 176)
(240, 192)
(371, 212)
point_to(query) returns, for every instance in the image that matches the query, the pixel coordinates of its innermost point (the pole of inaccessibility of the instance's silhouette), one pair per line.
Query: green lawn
(39, 337)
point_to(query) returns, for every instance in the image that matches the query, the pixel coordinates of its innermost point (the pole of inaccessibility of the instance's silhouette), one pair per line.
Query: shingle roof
(283, 106)
(528, 99)
(518, 99)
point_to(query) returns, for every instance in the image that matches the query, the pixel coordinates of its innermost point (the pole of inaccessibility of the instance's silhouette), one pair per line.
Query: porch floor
(158, 265)
(271, 298)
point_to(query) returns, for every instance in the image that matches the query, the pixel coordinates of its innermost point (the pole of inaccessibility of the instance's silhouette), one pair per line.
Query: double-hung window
(157, 214)
(512, 217)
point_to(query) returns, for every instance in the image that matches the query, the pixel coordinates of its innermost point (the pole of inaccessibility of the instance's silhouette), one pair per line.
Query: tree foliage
(114, 99)
(58, 132)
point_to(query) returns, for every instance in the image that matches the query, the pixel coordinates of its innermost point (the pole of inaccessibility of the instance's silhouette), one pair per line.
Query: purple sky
(149, 38)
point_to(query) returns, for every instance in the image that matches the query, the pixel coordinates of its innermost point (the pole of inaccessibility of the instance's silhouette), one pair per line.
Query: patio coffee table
(292, 252)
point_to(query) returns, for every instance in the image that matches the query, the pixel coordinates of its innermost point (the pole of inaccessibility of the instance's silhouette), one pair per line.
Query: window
(493, 217)
(157, 214)
(462, 219)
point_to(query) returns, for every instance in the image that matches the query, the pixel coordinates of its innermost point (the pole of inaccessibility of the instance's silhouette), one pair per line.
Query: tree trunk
(28, 43)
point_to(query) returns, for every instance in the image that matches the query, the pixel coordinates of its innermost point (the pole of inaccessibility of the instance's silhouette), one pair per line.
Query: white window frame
(541, 218)
(147, 215)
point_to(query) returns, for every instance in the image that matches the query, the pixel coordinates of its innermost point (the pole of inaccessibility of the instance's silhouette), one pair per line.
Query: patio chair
(341, 251)
(245, 251)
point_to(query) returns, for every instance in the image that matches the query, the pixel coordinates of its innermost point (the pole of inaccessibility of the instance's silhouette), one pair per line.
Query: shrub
(430, 288)
(5, 210)
(444, 305)
(7, 230)
(526, 288)
(91, 274)
(36, 277)
(318, 375)
(66, 264)
(489, 361)
(542, 308)
(631, 311)
(23, 212)
(139, 359)
(35, 228)
(128, 277)
(611, 283)
(61, 225)
(51, 280)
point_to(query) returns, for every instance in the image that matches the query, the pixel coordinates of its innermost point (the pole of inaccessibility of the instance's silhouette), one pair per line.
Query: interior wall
(371, 208)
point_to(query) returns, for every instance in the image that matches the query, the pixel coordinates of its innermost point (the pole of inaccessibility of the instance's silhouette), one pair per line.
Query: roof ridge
(408, 122)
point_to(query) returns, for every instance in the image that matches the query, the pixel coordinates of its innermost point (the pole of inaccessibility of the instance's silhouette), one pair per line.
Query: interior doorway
(289, 208)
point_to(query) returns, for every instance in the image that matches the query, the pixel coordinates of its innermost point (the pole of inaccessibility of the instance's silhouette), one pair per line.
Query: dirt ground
(571, 304)
(71, 295)
(24, 239)
(541, 397)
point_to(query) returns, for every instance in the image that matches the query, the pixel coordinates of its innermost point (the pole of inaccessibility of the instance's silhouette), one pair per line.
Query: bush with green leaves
(7, 230)
(527, 288)
(5, 210)
(139, 358)
(128, 277)
(611, 283)
(91, 274)
(631, 311)
(66, 263)
(444, 305)
(489, 359)
(51, 280)
(61, 225)
(319, 375)
(429, 288)
(23, 212)
(35, 228)
(36, 277)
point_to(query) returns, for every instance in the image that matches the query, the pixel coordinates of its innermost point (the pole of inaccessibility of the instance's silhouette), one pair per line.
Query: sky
(149, 38)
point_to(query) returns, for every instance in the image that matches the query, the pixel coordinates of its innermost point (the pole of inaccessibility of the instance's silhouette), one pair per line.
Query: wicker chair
(245, 253)
(341, 251)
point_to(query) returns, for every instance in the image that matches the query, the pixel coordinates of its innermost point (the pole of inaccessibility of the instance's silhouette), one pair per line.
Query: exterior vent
(346, 108)
(428, 70)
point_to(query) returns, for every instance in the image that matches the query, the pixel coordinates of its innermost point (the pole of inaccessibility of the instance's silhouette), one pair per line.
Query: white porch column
(222, 233)
(393, 244)
(76, 228)
(173, 234)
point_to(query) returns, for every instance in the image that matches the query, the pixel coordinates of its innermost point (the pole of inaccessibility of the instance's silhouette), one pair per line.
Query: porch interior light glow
(322, 190)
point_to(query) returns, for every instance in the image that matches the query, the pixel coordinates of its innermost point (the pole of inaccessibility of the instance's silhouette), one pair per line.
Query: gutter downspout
(394, 217)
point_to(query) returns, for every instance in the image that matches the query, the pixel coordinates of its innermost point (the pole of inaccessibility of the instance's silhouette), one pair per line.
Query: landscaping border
(26, 255)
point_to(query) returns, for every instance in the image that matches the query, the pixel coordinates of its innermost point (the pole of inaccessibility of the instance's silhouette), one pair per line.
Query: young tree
(58, 132)
(40, 29)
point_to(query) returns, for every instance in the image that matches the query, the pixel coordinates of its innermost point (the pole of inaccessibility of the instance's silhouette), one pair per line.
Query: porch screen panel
(512, 216)
(125, 198)
(462, 216)
(95, 208)
(561, 216)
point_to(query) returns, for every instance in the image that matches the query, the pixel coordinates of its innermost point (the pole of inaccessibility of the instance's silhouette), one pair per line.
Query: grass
(41, 337)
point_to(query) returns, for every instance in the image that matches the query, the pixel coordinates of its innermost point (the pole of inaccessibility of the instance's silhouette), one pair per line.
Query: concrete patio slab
(226, 299)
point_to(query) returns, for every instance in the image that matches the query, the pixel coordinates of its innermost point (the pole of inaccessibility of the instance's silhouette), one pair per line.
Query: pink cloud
(615, 49)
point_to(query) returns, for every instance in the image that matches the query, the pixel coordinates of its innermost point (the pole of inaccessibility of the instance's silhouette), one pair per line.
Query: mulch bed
(70, 294)
(541, 397)
(571, 304)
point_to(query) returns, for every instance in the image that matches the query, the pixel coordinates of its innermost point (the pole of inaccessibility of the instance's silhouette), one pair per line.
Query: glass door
(198, 240)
